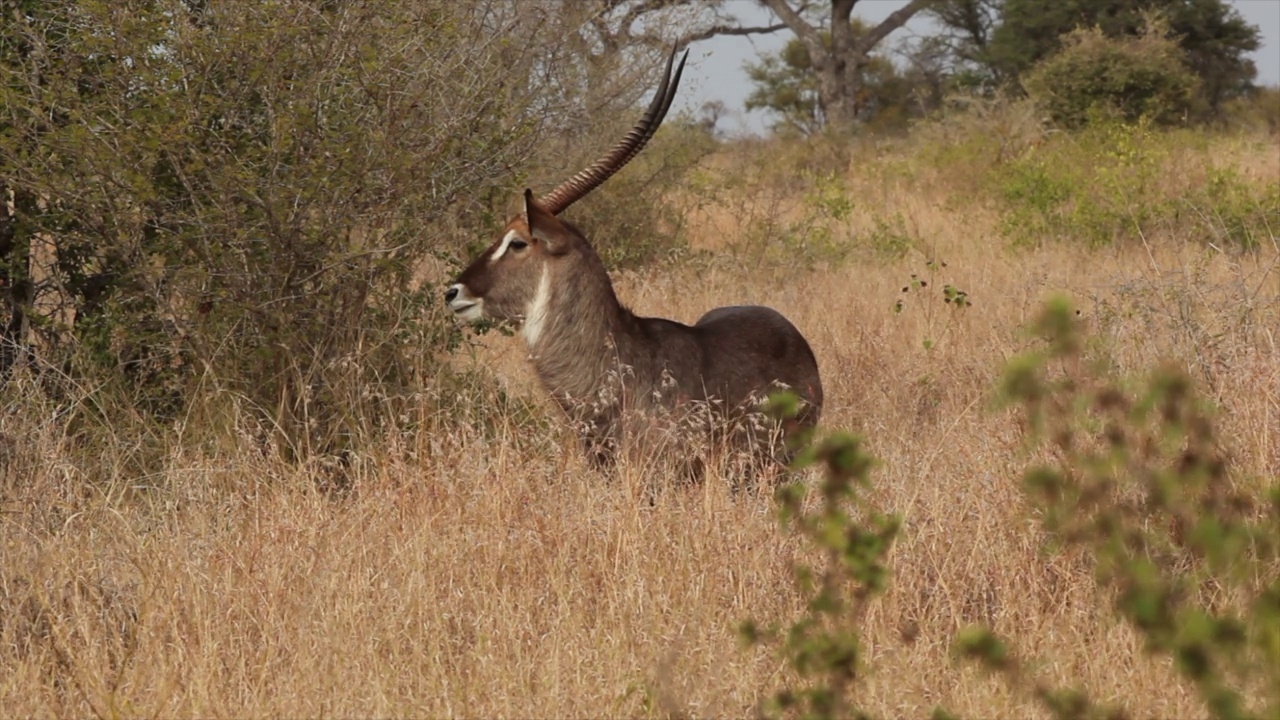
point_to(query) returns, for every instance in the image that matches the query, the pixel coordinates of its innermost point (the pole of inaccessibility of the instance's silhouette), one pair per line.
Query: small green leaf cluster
(952, 297)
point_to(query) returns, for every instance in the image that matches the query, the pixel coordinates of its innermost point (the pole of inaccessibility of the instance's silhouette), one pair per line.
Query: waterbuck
(613, 372)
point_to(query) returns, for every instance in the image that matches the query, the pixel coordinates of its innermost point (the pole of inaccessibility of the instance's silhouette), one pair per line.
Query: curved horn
(576, 187)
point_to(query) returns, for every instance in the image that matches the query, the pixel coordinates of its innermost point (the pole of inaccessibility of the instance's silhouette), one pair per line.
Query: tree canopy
(787, 85)
(839, 52)
(1215, 38)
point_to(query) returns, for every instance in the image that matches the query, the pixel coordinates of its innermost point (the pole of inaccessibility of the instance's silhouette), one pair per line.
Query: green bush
(1098, 186)
(801, 218)
(1094, 76)
(1235, 212)
(236, 197)
(1259, 111)
(1110, 183)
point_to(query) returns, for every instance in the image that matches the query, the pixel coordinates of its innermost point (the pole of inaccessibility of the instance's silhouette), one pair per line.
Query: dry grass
(483, 571)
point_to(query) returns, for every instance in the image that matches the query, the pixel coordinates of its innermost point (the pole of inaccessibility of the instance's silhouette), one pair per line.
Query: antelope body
(612, 371)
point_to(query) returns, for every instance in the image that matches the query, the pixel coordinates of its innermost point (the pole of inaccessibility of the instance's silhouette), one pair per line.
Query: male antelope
(602, 363)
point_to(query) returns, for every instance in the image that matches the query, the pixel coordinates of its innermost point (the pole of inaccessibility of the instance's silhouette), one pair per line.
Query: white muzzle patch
(464, 307)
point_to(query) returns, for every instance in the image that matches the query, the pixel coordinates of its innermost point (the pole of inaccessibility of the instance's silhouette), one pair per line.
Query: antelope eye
(518, 245)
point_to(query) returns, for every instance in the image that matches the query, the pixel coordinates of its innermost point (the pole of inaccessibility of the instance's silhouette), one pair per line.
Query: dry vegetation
(478, 568)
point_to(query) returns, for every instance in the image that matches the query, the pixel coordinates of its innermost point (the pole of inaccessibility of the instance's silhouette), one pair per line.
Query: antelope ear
(545, 226)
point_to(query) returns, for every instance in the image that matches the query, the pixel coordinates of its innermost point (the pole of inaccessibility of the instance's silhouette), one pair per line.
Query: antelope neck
(574, 348)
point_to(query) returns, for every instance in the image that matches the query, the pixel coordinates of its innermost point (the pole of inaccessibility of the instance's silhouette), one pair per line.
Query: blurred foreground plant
(1189, 553)
(854, 538)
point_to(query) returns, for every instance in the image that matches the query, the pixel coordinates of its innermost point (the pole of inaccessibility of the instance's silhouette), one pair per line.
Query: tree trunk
(838, 97)
(841, 107)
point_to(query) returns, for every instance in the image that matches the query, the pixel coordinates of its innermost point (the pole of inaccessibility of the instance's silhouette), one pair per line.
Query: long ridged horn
(576, 187)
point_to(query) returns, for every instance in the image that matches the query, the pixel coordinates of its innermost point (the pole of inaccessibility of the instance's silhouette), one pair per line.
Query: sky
(715, 70)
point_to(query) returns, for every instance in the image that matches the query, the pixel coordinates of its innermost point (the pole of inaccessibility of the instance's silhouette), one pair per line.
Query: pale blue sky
(715, 66)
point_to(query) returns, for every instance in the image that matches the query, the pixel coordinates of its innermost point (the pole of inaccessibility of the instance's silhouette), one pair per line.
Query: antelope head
(512, 280)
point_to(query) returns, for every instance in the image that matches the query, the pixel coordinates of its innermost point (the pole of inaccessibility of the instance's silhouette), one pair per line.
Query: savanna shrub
(1111, 183)
(1258, 111)
(1096, 186)
(238, 196)
(1094, 76)
(854, 538)
(1187, 550)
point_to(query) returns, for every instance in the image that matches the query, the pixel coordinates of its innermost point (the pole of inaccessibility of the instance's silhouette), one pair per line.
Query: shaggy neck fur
(573, 347)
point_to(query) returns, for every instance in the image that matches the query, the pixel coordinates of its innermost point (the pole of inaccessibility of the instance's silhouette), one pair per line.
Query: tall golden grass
(478, 568)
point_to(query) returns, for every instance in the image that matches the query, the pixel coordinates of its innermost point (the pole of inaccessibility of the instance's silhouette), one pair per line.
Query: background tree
(600, 56)
(839, 58)
(787, 85)
(608, 48)
(966, 27)
(1215, 38)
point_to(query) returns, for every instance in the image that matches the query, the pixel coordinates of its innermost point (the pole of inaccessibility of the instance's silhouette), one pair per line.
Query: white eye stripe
(510, 237)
